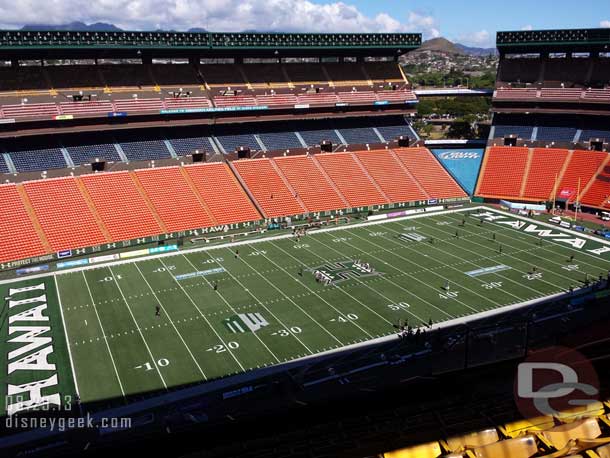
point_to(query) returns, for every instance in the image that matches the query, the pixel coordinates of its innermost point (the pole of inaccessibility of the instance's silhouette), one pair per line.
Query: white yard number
(258, 253)
(399, 306)
(533, 276)
(288, 332)
(444, 223)
(571, 267)
(448, 295)
(109, 279)
(163, 362)
(163, 269)
(347, 318)
(301, 245)
(377, 234)
(492, 285)
(221, 348)
(341, 239)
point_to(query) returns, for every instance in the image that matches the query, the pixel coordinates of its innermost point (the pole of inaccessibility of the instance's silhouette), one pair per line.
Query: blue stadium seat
(145, 150)
(315, 137)
(524, 132)
(3, 166)
(232, 142)
(556, 134)
(280, 140)
(40, 159)
(594, 133)
(87, 153)
(359, 135)
(188, 145)
(390, 133)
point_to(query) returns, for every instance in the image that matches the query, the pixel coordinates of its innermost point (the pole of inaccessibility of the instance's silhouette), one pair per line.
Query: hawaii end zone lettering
(590, 246)
(30, 366)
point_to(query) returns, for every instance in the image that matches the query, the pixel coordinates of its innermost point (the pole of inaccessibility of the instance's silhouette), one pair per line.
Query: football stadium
(238, 245)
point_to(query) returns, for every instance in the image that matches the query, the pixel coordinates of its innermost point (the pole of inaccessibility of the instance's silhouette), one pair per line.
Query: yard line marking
(394, 283)
(502, 229)
(154, 361)
(287, 297)
(469, 240)
(63, 321)
(467, 261)
(170, 320)
(257, 300)
(103, 333)
(427, 269)
(202, 315)
(343, 291)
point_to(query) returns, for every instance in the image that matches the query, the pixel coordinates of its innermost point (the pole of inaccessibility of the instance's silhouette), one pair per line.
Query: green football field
(156, 323)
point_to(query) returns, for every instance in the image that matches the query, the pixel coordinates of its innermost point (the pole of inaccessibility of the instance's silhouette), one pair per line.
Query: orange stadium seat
(502, 171)
(426, 169)
(18, 235)
(581, 168)
(309, 182)
(268, 188)
(391, 176)
(544, 169)
(121, 206)
(598, 195)
(350, 179)
(222, 193)
(63, 214)
(175, 202)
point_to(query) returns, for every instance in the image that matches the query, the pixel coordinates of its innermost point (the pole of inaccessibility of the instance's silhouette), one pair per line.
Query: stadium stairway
(18, 217)
(429, 172)
(313, 187)
(93, 210)
(368, 175)
(214, 182)
(149, 204)
(385, 168)
(268, 188)
(351, 180)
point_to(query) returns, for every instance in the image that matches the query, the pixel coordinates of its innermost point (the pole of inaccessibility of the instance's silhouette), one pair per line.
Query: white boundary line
(103, 333)
(63, 321)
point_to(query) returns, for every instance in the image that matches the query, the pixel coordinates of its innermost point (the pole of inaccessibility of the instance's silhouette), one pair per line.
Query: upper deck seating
(126, 75)
(175, 75)
(280, 140)
(523, 132)
(23, 78)
(38, 159)
(145, 150)
(316, 137)
(383, 71)
(184, 146)
(96, 107)
(300, 74)
(139, 105)
(230, 142)
(515, 93)
(359, 135)
(30, 110)
(84, 154)
(225, 75)
(74, 76)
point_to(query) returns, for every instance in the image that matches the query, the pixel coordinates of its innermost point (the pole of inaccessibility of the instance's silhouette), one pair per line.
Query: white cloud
(605, 23)
(482, 39)
(527, 27)
(217, 15)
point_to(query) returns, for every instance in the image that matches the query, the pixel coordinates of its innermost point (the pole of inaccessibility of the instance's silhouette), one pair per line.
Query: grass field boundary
(63, 322)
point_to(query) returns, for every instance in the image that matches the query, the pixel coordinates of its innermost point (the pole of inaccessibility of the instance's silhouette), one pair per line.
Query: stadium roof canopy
(554, 40)
(65, 44)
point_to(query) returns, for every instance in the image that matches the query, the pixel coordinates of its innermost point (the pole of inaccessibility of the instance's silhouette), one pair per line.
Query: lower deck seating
(174, 201)
(309, 182)
(598, 195)
(268, 188)
(430, 174)
(63, 214)
(350, 179)
(580, 170)
(502, 171)
(391, 176)
(222, 193)
(19, 238)
(120, 206)
(544, 169)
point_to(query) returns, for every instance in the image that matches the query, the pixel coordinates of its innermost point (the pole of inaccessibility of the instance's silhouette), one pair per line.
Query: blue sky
(472, 22)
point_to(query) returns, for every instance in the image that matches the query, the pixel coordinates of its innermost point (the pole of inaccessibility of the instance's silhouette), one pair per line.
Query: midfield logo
(344, 270)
